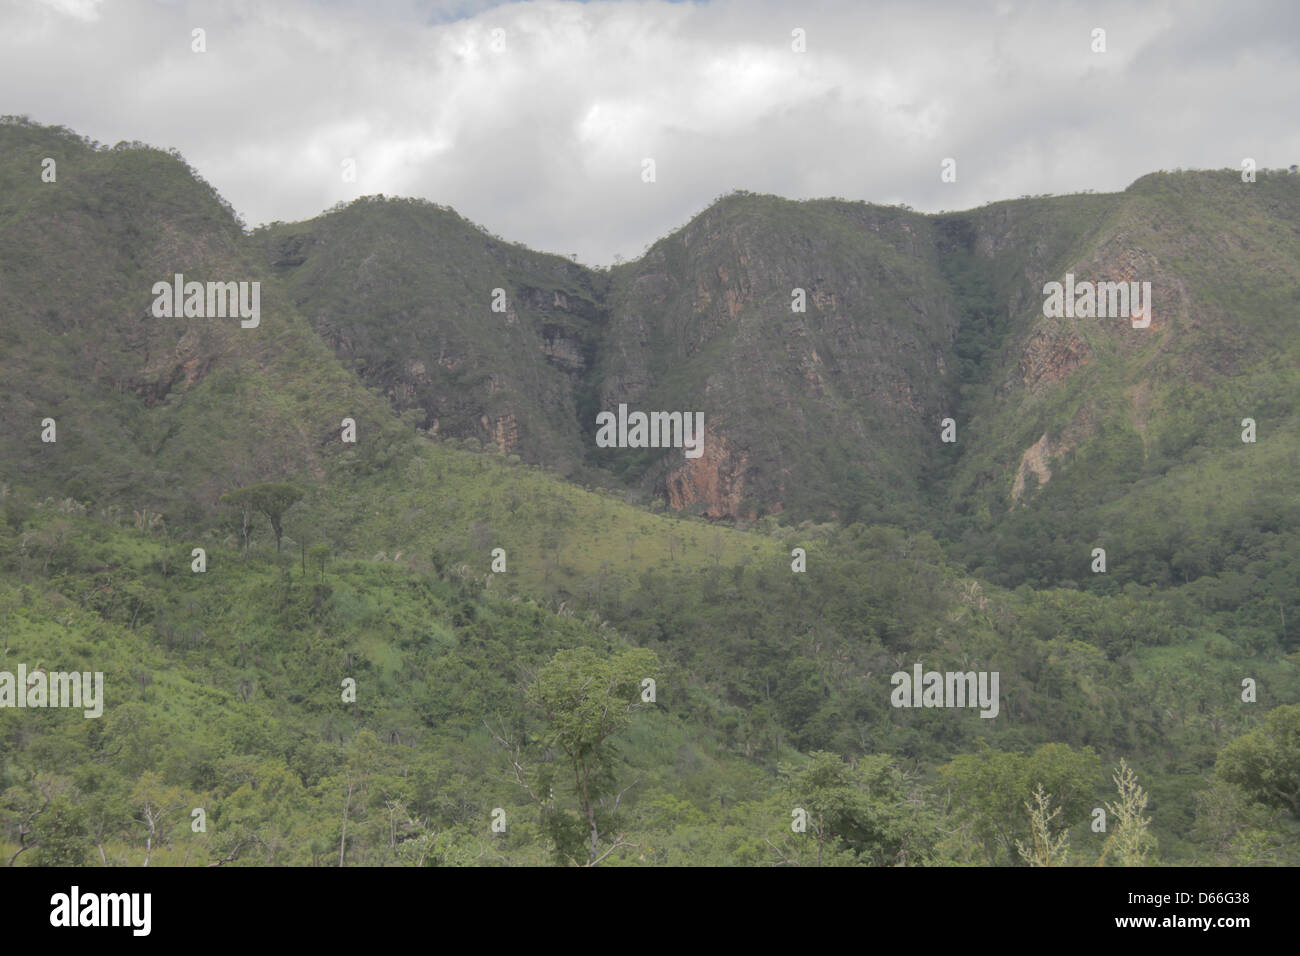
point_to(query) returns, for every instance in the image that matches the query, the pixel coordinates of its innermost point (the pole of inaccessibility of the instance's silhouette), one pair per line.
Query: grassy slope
(454, 506)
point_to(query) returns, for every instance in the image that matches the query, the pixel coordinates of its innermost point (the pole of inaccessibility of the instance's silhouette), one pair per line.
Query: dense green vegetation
(425, 649)
(223, 693)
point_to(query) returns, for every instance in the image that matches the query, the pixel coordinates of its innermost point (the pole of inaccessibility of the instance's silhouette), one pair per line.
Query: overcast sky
(541, 136)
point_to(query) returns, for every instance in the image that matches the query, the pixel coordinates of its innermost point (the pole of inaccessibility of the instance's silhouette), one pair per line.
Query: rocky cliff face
(824, 342)
(816, 339)
(714, 484)
(849, 383)
(1060, 386)
(485, 340)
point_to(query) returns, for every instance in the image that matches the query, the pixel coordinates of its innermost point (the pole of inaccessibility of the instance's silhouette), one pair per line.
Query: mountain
(475, 563)
(826, 410)
(1089, 432)
(164, 413)
(403, 291)
(823, 407)
(835, 412)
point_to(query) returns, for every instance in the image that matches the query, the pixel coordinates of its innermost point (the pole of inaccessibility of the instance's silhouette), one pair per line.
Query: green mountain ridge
(474, 433)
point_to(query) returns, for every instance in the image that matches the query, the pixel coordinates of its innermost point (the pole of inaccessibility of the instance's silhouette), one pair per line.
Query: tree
(50, 819)
(1265, 763)
(990, 788)
(870, 813)
(158, 807)
(271, 498)
(318, 554)
(586, 699)
(1231, 826)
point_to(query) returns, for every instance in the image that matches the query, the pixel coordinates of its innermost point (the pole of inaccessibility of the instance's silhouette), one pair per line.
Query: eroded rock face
(565, 353)
(1056, 348)
(1050, 355)
(715, 480)
(1040, 457)
(1036, 461)
(1118, 262)
(846, 390)
(417, 372)
(503, 432)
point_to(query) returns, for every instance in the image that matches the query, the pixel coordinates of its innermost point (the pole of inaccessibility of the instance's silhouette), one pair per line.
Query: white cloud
(542, 141)
(76, 9)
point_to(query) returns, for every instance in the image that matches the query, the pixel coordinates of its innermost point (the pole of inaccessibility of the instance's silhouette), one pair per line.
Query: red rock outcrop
(716, 479)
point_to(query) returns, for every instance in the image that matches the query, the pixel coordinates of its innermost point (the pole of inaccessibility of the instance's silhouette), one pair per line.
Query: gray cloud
(541, 137)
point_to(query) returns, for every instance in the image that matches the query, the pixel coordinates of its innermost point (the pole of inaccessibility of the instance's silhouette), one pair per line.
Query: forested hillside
(457, 632)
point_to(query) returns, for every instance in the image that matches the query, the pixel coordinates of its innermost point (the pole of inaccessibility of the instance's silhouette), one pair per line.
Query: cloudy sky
(534, 118)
